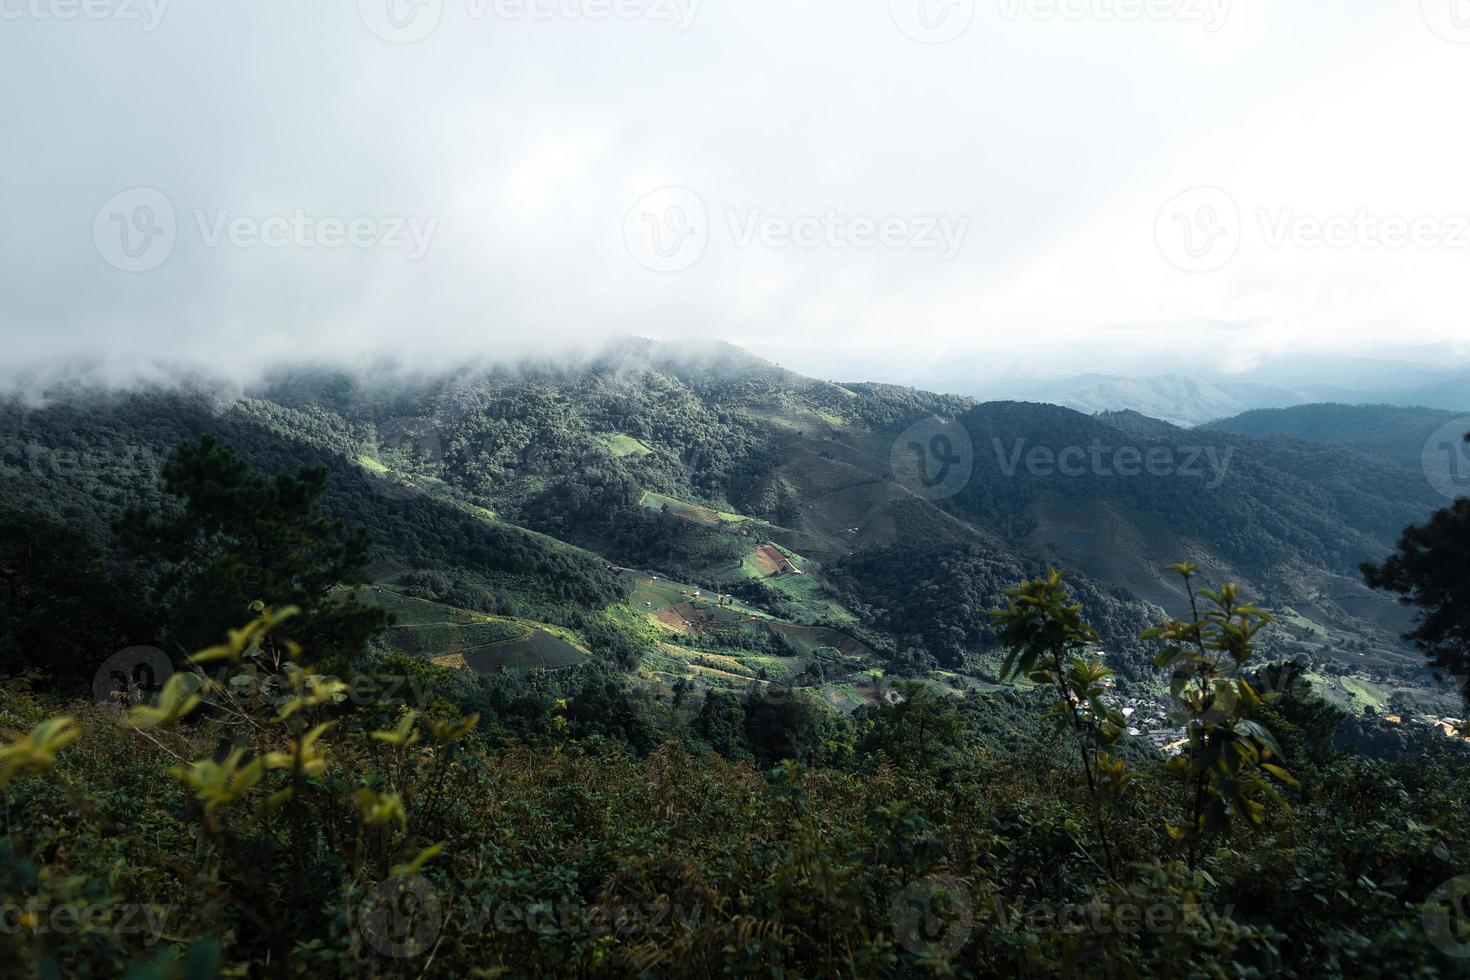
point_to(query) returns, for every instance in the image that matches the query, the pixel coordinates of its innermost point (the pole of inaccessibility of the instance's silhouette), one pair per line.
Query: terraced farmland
(456, 637)
(809, 638)
(710, 649)
(539, 649)
(693, 513)
(433, 639)
(410, 611)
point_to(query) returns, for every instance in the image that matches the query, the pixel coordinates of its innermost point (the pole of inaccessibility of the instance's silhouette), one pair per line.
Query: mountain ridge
(740, 453)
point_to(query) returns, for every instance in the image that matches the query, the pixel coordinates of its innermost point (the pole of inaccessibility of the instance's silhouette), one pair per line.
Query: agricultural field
(730, 645)
(540, 648)
(792, 577)
(693, 513)
(372, 465)
(768, 560)
(432, 639)
(1356, 693)
(654, 591)
(623, 446)
(454, 637)
(812, 638)
(805, 589)
(410, 611)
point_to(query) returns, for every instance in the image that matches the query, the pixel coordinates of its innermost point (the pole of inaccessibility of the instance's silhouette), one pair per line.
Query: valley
(742, 525)
(695, 627)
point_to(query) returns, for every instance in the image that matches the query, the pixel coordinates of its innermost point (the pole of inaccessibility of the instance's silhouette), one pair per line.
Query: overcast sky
(850, 187)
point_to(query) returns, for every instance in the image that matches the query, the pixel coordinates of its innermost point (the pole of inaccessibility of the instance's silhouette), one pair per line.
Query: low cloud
(468, 187)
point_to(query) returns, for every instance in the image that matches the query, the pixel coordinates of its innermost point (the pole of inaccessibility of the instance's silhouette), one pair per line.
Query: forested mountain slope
(725, 634)
(660, 458)
(1385, 430)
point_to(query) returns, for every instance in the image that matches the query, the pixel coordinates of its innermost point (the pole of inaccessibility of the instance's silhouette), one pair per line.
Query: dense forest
(652, 666)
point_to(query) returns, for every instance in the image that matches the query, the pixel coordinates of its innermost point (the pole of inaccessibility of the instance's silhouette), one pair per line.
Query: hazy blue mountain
(1283, 382)
(1391, 431)
(1174, 398)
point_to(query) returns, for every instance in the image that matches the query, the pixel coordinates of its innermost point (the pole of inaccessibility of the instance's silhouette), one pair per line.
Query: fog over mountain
(734, 488)
(236, 184)
(1280, 383)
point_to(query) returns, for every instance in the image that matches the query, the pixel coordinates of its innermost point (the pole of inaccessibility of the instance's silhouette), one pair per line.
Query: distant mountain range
(1389, 431)
(1191, 400)
(1173, 398)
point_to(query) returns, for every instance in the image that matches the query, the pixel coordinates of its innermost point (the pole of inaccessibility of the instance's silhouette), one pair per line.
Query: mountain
(1277, 383)
(1174, 398)
(569, 499)
(679, 627)
(1390, 431)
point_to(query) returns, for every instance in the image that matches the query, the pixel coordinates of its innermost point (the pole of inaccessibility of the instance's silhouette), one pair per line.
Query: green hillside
(526, 487)
(1384, 430)
(692, 637)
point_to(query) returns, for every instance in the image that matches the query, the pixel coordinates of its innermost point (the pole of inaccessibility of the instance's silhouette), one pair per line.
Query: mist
(1024, 189)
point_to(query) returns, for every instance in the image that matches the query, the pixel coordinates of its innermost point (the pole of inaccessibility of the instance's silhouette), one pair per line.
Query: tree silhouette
(233, 537)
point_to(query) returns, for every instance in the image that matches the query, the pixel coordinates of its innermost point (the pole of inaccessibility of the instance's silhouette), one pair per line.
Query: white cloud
(529, 140)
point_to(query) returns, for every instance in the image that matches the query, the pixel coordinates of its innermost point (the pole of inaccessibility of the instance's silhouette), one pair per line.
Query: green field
(708, 650)
(409, 611)
(474, 641)
(1354, 693)
(806, 590)
(693, 513)
(809, 638)
(541, 648)
(653, 594)
(623, 446)
(436, 639)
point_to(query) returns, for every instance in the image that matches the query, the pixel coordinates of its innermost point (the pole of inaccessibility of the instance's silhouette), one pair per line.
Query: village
(1149, 719)
(1450, 727)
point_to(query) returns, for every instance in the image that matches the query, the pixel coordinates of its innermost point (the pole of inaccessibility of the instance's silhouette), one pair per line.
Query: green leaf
(416, 865)
(1280, 773)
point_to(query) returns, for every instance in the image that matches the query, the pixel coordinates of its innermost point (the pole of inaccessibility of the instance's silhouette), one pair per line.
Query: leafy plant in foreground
(1046, 640)
(282, 813)
(1229, 755)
